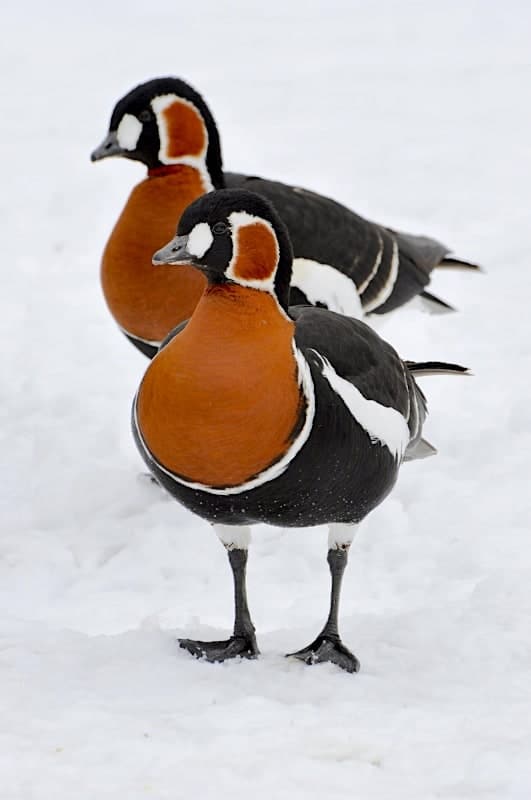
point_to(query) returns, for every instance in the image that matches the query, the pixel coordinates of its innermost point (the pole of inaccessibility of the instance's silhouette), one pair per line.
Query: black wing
(388, 268)
(359, 355)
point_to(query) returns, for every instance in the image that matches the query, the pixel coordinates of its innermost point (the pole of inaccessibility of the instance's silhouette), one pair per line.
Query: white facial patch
(324, 284)
(200, 239)
(382, 423)
(128, 132)
(239, 220)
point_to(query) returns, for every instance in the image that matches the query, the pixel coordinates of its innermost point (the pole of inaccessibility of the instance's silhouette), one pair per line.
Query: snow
(412, 113)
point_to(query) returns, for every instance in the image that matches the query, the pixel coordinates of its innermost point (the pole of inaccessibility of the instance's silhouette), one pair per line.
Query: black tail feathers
(434, 305)
(421, 368)
(457, 263)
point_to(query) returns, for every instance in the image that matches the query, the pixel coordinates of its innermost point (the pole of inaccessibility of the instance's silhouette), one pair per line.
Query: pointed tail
(434, 305)
(421, 449)
(422, 368)
(457, 263)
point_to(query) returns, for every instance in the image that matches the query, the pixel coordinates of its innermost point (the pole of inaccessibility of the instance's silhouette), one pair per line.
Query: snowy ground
(416, 114)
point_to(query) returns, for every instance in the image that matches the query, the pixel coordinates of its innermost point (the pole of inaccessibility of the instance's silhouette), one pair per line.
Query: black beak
(109, 147)
(175, 252)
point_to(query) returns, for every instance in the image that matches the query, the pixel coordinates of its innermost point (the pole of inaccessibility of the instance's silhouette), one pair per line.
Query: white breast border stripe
(275, 470)
(139, 338)
(383, 423)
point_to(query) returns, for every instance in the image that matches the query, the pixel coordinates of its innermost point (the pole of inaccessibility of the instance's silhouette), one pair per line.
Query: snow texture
(416, 114)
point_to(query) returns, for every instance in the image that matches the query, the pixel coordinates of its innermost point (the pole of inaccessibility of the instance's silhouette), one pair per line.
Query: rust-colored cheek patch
(257, 253)
(185, 130)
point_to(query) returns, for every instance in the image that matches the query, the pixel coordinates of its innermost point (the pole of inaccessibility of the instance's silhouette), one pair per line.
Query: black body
(320, 229)
(339, 475)
(325, 231)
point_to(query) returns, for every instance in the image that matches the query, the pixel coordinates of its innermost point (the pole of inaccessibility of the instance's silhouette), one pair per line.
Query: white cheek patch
(382, 423)
(128, 132)
(199, 239)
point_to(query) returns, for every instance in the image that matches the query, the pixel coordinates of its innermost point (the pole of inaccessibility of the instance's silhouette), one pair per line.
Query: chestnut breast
(149, 301)
(221, 402)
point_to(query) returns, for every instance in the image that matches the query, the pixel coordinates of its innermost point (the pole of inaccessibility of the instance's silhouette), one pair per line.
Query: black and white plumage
(358, 415)
(387, 268)
(341, 261)
(372, 405)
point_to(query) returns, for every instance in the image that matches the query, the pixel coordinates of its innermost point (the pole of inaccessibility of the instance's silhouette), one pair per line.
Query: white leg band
(340, 535)
(233, 537)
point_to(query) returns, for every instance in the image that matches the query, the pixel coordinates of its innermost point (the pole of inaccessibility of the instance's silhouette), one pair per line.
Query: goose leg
(328, 645)
(243, 640)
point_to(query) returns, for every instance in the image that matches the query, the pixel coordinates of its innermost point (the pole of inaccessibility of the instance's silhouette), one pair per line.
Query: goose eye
(144, 116)
(219, 228)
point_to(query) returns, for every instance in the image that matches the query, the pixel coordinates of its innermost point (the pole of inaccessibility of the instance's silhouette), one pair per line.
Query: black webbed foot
(236, 646)
(330, 649)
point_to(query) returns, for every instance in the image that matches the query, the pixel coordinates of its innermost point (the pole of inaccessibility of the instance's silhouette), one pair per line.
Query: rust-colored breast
(148, 301)
(221, 402)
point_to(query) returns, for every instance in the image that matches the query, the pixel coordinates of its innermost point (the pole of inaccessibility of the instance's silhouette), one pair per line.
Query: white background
(416, 114)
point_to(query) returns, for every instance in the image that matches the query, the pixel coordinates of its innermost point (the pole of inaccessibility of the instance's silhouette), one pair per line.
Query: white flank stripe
(322, 283)
(374, 270)
(414, 402)
(387, 288)
(383, 424)
(128, 132)
(408, 415)
(275, 470)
